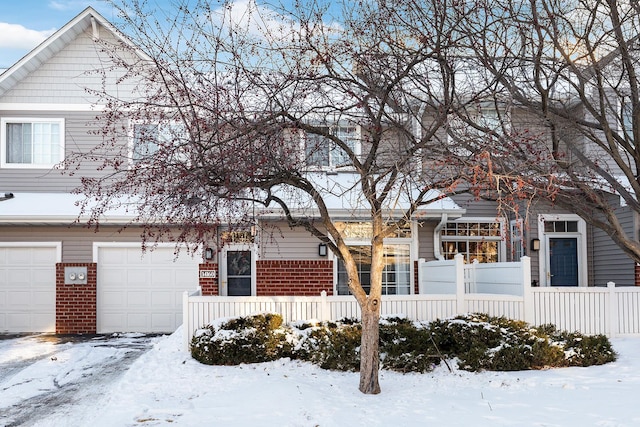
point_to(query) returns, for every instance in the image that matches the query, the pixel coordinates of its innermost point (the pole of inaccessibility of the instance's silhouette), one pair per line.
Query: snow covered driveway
(42, 375)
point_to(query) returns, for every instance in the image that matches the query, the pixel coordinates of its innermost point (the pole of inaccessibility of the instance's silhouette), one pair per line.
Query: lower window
(396, 276)
(477, 240)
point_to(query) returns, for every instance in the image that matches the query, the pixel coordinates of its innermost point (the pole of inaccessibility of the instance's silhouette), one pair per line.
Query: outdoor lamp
(535, 244)
(322, 249)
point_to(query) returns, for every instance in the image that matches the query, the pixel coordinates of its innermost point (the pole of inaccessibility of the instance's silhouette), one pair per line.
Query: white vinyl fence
(449, 288)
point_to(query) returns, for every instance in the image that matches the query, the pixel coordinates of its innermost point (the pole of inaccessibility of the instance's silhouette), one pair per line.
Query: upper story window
(626, 117)
(322, 152)
(32, 142)
(147, 138)
(465, 134)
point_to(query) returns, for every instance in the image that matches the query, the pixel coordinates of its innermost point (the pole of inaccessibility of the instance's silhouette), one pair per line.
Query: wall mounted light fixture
(208, 254)
(322, 249)
(535, 244)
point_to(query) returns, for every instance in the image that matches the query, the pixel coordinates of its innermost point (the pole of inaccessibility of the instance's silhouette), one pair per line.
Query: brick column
(76, 304)
(290, 277)
(209, 285)
(637, 275)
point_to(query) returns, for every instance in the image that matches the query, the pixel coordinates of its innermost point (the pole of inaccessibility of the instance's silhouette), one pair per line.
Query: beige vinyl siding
(77, 139)
(64, 77)
(425, 239)
(476, 207)
(278, 241)
(77, 241)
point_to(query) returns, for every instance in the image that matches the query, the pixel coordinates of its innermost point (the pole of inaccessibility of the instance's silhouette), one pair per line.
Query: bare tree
(235, 110)
(565, 73)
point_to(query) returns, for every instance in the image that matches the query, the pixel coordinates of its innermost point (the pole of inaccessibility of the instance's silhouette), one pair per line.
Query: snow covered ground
(165, 387)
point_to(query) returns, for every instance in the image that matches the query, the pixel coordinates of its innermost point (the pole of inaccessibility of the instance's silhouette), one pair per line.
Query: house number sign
(208, 274)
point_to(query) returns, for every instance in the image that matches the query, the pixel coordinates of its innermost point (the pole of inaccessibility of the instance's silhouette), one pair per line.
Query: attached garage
(141, 292)
(28, 286)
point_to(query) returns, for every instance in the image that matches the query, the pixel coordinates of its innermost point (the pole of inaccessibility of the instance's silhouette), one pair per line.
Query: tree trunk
(369, 351)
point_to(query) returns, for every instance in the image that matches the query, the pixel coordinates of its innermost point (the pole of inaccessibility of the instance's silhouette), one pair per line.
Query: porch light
(535, 244)
(208, 254)
(322, 249)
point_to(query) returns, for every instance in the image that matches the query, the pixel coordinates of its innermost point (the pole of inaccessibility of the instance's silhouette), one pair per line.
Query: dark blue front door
(563, 261)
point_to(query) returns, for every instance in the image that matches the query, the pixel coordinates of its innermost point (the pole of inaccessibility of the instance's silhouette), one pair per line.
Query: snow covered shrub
(330, 345)
(406, 347)
(250, 339)
(481, 342)
(477, 341)
(581, 350)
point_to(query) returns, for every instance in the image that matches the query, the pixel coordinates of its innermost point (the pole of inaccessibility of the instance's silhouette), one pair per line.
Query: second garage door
(142, 292)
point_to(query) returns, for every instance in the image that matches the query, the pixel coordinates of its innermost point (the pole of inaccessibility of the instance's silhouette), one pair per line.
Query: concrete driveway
(45, 375)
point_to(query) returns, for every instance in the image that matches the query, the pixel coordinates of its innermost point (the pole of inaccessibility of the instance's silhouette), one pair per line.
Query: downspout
(436, 237)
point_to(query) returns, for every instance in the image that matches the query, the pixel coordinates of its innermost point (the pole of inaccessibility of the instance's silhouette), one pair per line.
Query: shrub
(251, 339)
(330, 345)
(405, 347)
(477, 341)
(496, 343)
(583, 350)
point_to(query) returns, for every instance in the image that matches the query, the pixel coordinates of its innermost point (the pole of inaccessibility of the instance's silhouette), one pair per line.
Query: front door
(236, 275)
(563, 261)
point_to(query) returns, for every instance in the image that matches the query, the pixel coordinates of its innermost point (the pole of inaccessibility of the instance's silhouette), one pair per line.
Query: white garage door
(28, 288)
(142, 293)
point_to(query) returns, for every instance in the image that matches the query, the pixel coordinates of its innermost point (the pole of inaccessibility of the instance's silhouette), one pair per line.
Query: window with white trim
(322, 152)
(32, 142)
(463, 137)
(396, 275)
(476, 240)
(626, 117)
(517, 239)
(147, 138)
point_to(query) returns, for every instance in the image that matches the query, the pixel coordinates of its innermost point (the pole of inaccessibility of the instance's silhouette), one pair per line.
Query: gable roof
(88, 18)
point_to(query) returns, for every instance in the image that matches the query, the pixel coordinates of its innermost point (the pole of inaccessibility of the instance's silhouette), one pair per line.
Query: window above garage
(31, 142)
(147, 139)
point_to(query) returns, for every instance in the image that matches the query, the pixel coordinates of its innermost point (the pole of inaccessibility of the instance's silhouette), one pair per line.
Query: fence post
(460, 291)
(325, 311)
(185, 321)
(421, 289)
(527, 292)
(612, 329)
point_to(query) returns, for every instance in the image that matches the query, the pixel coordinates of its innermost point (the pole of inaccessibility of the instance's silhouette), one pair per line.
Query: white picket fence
(449, 288)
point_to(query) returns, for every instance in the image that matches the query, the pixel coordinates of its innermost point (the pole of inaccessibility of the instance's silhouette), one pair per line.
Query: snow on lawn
(166, 387)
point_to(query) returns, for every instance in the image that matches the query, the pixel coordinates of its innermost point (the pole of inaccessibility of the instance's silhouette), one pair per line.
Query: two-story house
(56, 275)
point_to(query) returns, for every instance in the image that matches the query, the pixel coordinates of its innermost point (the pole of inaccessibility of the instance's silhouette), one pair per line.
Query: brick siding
(76, 304)
(209, 285)
(299, 278)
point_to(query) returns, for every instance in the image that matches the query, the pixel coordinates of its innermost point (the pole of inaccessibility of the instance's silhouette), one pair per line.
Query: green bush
(476, 341)
(251, 339)
(481, 342)
(405, 347)
(583, 350)
(330, 345)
